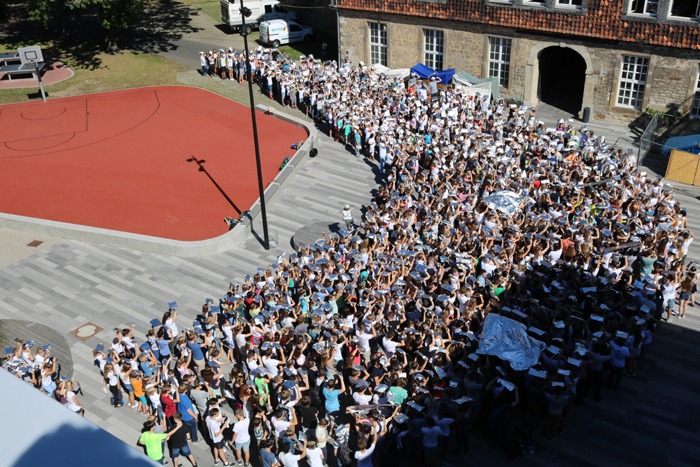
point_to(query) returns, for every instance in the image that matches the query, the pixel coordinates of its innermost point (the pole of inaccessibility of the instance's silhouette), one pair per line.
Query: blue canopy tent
(687, 143)
(425, 72)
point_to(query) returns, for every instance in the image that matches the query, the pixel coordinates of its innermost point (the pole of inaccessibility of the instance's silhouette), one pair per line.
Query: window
(644, 7)
(695, 106)
(570, 3)
(685, 8)
(633, 79)
(433, 46)
(499, 59)
(377, 44)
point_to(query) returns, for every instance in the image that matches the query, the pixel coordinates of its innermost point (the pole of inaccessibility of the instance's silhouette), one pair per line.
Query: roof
(601, 19)
(37, 430)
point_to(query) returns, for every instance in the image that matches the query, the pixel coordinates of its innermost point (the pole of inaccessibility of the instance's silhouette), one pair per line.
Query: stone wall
(670, 84)
(317, 14)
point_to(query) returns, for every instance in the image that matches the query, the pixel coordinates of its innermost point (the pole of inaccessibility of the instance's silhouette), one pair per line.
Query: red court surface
(119, 160)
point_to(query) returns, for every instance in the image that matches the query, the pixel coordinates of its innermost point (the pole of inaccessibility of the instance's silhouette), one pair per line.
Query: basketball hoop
(32, 55)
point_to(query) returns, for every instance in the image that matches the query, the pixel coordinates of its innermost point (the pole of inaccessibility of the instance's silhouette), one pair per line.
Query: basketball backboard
(31, 54)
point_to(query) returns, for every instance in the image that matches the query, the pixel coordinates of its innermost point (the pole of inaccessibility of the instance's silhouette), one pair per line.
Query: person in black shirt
(178, 443)
(308, 415)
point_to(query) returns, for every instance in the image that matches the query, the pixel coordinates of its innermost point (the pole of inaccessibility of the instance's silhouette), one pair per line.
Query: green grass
(118, 71)
(210, 8)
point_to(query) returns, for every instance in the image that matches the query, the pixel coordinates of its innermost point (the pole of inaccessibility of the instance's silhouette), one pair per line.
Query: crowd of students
(41, 369)
(363, 347)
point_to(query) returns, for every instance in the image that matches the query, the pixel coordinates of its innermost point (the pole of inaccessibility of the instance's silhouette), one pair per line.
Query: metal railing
(647, 139)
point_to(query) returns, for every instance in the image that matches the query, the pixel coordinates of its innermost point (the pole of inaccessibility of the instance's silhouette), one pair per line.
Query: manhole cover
(35, 243)
(86, 331)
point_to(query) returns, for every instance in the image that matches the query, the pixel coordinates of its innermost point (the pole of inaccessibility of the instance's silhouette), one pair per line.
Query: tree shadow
(160, 27)
(80, 39)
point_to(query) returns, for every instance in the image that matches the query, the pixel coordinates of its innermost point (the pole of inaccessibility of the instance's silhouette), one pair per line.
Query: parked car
(263, 10)
(279, 31)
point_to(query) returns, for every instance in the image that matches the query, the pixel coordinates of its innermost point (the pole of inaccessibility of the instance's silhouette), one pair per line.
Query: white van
(280, 31)
(262, 10)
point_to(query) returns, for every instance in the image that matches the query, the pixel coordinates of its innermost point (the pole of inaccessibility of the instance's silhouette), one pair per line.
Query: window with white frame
(633, 80)
(685, 9)
(570, 3)
(695, 106)
(499, 59)
(433, 48)
(377, 44)
(644, 7)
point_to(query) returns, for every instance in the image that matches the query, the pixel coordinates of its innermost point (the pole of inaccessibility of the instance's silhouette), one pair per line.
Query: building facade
(617, 57)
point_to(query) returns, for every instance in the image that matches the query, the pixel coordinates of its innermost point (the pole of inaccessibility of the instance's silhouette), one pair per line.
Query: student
(189, 412)
(331, 394)
(314, 455)
(72, 400)
(217, 424)
(288, 458)
(364, 452)
(178, 442)
(267, 457)
(241, 437)
(111, 379)
(153, 442)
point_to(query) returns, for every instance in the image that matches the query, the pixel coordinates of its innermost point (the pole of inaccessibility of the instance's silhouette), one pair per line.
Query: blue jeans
(192, 427)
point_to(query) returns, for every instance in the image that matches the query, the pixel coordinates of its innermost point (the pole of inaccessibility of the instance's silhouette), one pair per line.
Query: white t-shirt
(364, 339)
(362, 399)
(271, 365)
(279, 425)
(71, 404)
(172, 327)
(315, 457)
(364, 455)
(241, 430)
(389, 345)
(214, 428)
(289, 459)
(113, 378)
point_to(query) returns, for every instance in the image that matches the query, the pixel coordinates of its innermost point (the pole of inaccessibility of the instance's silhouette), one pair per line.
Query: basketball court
(166, 161)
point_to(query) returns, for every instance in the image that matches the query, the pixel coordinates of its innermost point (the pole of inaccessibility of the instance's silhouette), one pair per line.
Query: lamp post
(245, 12)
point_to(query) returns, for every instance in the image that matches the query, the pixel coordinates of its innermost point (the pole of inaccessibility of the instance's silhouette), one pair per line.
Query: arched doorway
(562, 73)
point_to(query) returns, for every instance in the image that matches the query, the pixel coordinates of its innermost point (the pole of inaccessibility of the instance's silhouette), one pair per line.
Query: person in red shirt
(169, 403)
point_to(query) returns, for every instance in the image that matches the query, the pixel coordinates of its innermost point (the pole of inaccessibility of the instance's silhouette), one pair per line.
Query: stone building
(617, 57)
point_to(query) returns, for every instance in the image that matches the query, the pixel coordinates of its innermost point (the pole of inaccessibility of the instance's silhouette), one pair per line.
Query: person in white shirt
(279, 422)
(389, 344)
(364, 336)
(314, 455)
(272, 364)
(289, 459)
(241, 437)
(669, 296)
(360, 396)
(216, 424)
(363, 455)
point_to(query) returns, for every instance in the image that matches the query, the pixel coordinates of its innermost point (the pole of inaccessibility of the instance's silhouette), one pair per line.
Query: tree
(115, 16)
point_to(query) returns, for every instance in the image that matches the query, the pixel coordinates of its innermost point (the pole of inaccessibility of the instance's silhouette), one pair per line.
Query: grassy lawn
(208, 7)
(118, 71)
